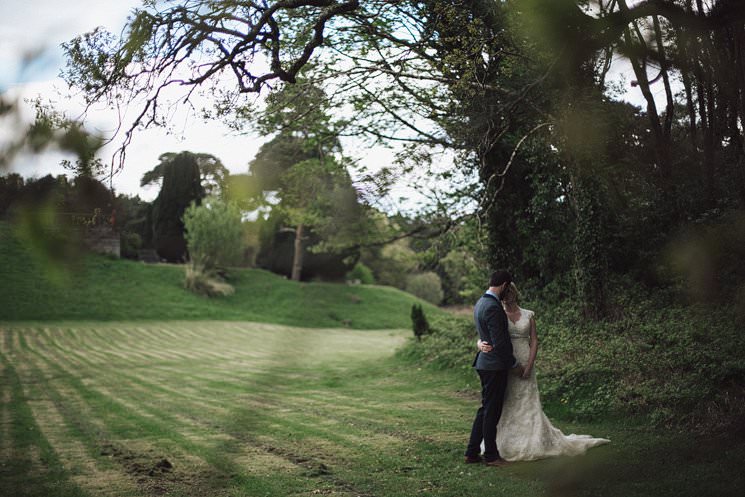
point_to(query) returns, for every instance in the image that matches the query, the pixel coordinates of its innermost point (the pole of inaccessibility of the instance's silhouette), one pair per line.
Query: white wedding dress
(524, 433)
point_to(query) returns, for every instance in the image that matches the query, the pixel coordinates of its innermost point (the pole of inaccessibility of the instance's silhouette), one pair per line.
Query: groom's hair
(499, 277)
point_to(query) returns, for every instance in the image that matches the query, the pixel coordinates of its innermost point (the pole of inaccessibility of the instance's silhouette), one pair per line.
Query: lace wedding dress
(524, 432)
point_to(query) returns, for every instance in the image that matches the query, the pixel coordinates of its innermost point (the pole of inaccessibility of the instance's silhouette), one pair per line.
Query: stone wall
(103, 240)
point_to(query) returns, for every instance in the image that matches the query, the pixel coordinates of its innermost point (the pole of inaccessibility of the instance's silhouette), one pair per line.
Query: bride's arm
(533, 348)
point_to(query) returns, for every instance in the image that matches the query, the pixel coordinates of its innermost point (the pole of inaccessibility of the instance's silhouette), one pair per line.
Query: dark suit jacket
(491, 323)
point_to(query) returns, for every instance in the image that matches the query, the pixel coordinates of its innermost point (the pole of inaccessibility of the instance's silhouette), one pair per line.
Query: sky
(37, 27)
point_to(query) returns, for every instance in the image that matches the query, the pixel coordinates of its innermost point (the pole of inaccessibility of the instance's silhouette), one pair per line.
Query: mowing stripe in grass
(322, 433)
(130, 428)
(6, 422)
(169, 407)
(128, 425)
(76, 457)
(375, 427)
(34, 469)
(136, 458)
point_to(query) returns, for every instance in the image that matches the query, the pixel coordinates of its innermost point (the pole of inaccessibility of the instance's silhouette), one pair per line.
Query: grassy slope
(106, 289)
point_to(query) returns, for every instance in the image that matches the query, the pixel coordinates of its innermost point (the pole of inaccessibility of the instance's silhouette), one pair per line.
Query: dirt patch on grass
(315, 467)
(157, 471)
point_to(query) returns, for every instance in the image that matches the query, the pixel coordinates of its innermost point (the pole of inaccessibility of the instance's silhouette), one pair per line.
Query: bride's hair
(511, 293)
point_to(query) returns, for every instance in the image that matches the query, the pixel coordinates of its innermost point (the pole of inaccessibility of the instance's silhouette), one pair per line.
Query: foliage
(213, 233)
(426, 286)
(708, 257)
(303, 165)
(213, 174)
(590, 249)
(419, 323)
(205, 281)
(450, 345)
(181, 186)
(302, 110)
(244, 191)
(392, 263)
(361, 273)
(567, 184)
(214, 238)
(130, 244)
(277, 250)
(462, 277)
(308, 192)
(52, 215)
(458, 257)
(133, 219)
(276, 157)
(51, 129)
(52, 241)
(79, 197)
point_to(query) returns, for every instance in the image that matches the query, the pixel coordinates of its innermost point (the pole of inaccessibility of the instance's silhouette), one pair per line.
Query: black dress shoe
(497, 463)
(473, 459)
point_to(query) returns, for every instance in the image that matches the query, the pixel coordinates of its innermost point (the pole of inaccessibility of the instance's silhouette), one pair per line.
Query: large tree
(304, 167)
(213, 174)
(180, 187)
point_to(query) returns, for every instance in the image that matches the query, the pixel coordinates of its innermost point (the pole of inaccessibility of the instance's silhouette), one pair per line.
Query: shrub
(213, 233)
(426, 286)
(361, 273)
(205, 282)
(450, 344)
(419, 321)
(131, 243)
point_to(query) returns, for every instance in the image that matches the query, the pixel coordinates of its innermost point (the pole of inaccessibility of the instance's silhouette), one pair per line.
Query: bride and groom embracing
(510, 424)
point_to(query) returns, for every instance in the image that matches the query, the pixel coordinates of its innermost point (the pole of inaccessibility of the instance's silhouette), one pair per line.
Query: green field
(242, 409)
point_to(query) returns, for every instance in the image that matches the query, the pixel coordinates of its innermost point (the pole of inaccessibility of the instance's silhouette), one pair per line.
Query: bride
(524, 433)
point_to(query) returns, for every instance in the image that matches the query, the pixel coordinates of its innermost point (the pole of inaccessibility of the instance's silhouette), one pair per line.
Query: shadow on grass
(643, 462)
(31, 468)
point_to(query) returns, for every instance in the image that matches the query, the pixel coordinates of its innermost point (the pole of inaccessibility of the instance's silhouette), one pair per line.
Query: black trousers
(493, 388)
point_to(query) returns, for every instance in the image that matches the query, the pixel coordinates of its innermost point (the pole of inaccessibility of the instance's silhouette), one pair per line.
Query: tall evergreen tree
(181, 186)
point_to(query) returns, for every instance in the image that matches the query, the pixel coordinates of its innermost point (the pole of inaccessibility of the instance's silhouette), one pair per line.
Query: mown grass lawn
(243, 409)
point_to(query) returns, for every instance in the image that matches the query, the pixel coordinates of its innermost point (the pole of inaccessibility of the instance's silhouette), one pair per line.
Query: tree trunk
(590, 246)
(297, 259)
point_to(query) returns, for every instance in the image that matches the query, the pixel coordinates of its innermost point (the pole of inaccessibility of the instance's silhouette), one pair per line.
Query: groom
(493, 368)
